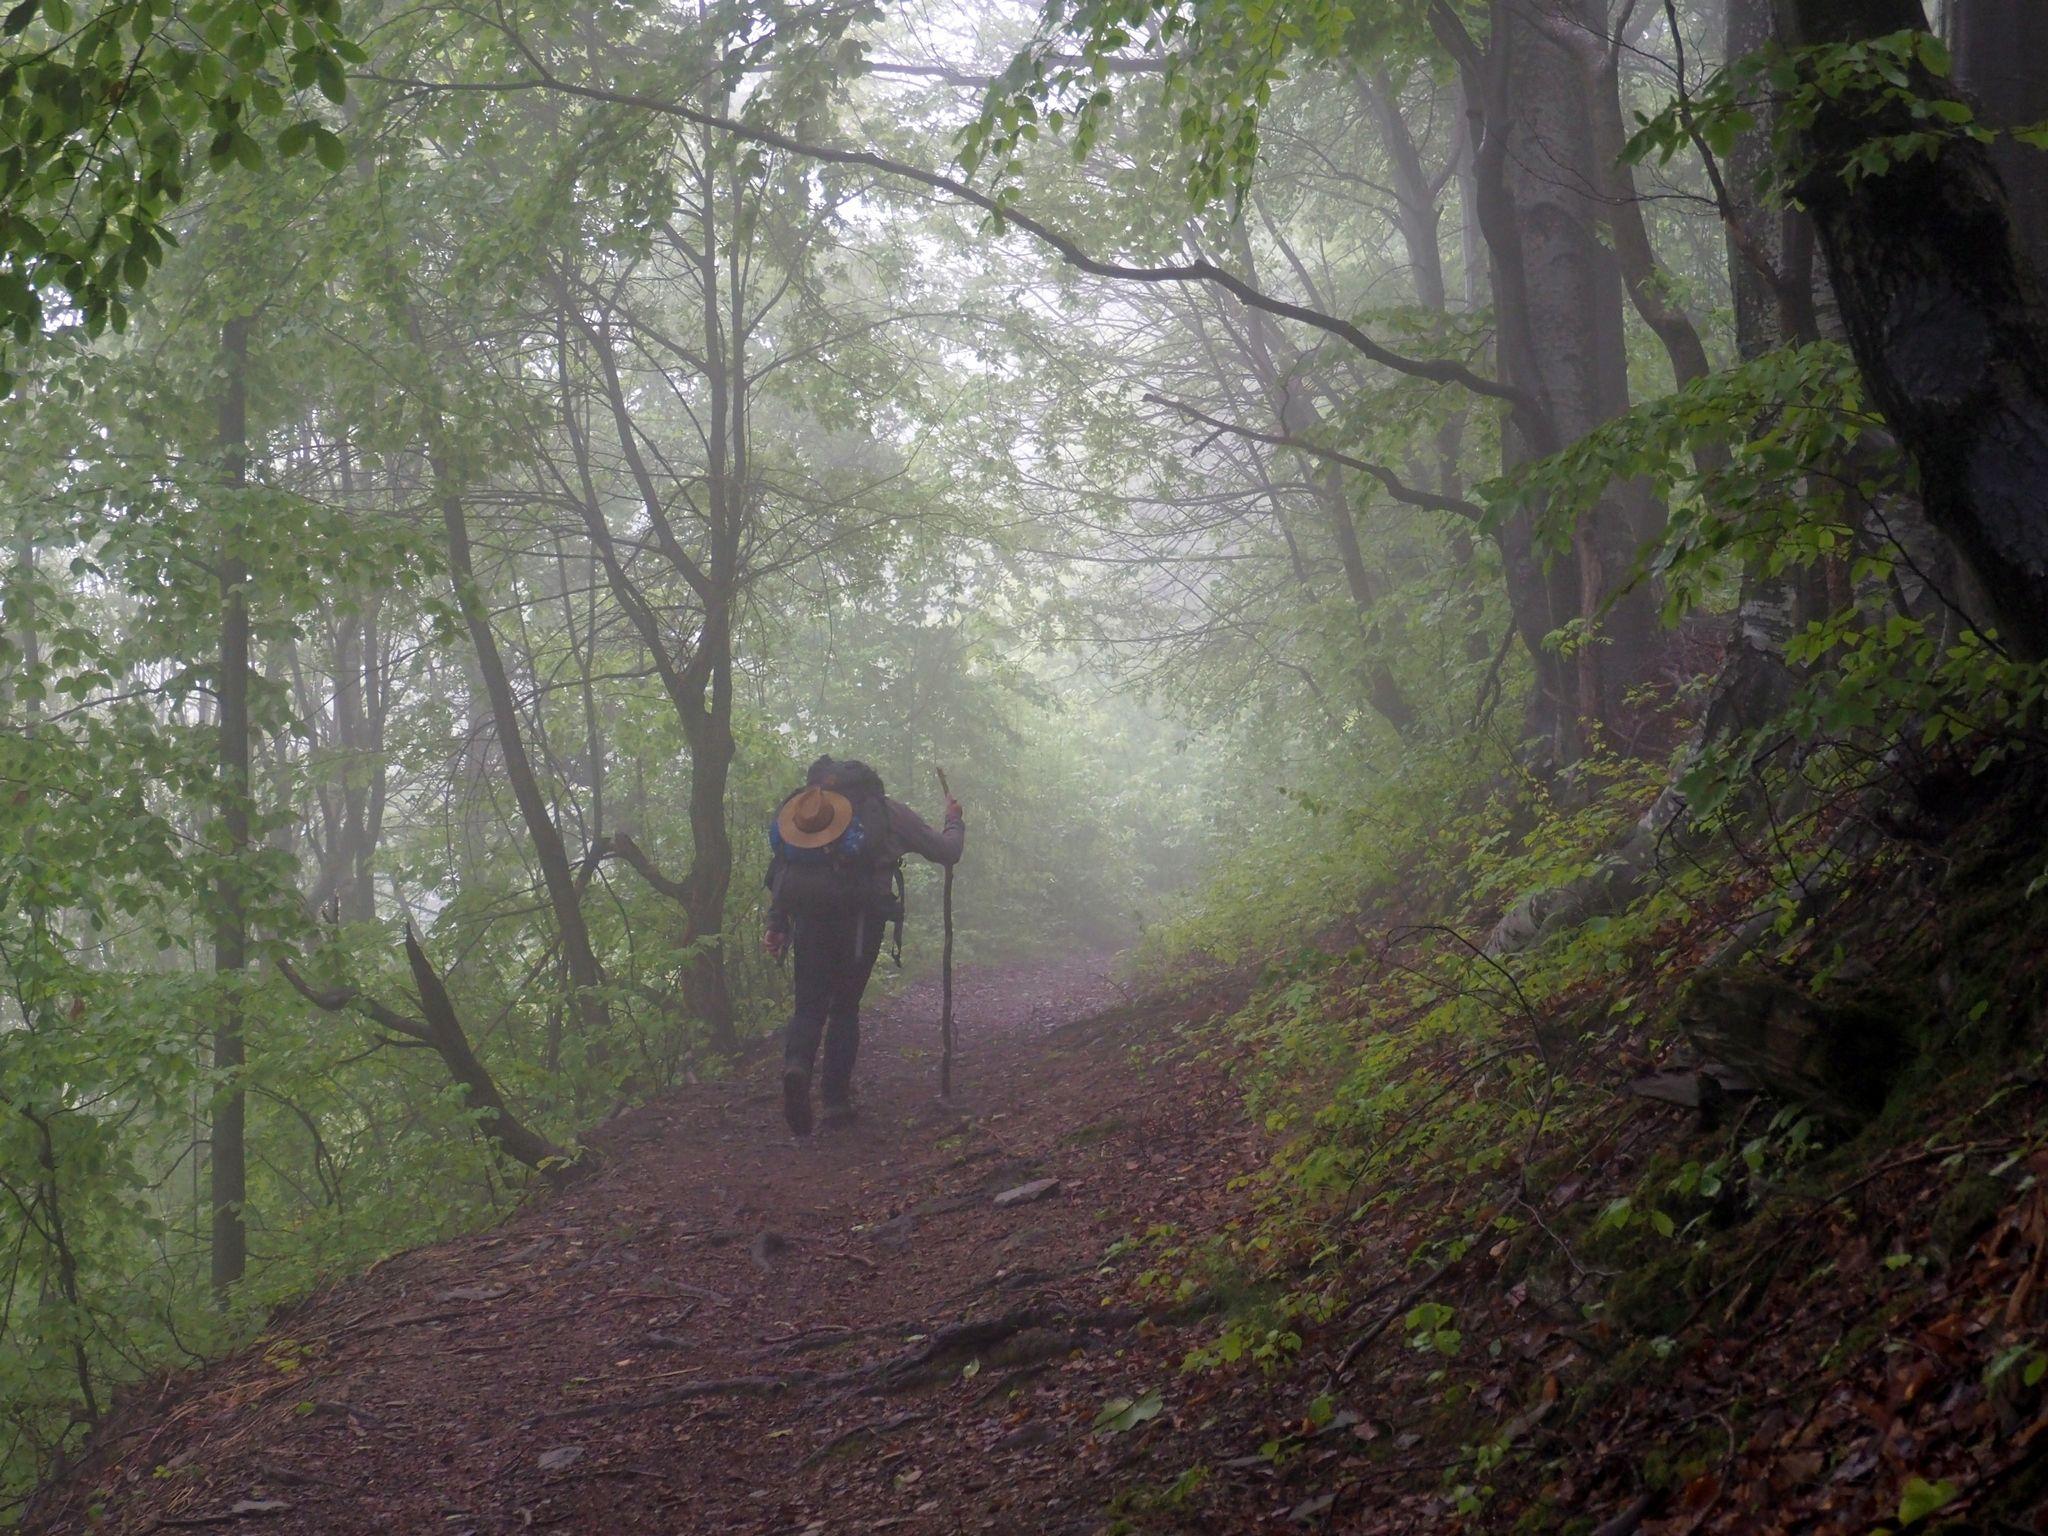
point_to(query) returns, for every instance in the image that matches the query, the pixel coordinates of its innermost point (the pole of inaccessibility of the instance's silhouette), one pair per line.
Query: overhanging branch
(1436, 370)
(1396, 487)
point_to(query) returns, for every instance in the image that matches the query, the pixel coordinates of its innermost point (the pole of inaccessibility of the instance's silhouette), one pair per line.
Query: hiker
(836, 878)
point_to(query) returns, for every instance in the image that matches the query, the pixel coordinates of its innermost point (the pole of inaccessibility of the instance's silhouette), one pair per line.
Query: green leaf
(19, 18)
(327, 71)
(1120, 1414)
(328, 149)
(2004, 1361)
(1922, 1498)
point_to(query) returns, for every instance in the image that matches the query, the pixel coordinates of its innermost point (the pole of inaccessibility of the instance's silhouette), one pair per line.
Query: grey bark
(2001, 64)
(1558, 293)
(227, 1160)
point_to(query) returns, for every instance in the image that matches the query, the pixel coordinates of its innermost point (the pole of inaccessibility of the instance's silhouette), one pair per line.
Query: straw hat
(813, 817)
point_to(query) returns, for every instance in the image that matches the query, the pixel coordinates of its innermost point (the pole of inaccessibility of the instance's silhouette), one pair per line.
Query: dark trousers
(835, 954)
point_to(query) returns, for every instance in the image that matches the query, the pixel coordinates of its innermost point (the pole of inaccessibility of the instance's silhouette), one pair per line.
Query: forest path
(730, 1329)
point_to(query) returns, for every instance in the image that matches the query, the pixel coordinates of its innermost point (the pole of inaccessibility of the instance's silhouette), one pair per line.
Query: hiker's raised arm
(917, 836)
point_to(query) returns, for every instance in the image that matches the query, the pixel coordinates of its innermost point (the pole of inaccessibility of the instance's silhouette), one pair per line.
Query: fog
(463, 469)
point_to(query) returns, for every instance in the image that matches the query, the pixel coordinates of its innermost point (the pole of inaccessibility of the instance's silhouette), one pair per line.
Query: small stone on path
(1025, 1194)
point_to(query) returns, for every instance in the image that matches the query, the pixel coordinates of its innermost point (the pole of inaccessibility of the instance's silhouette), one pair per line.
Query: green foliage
(102, 111)
(1745, 460)
(758, 457)
(1895, 81)
(1220, 63)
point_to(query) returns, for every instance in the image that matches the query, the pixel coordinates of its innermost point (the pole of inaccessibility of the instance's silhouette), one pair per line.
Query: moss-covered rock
(1837, 1056)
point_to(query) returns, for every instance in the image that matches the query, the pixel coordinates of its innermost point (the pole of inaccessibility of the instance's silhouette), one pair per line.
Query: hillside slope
(728, 1330)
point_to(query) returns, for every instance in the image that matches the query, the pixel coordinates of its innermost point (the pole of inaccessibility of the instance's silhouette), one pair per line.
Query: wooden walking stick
(946, 972)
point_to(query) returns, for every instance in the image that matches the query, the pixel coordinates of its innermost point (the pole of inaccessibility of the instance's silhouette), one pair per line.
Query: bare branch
(1396, 487)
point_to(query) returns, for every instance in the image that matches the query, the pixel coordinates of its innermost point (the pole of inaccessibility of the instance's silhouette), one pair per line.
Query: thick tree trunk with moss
(1944, 314)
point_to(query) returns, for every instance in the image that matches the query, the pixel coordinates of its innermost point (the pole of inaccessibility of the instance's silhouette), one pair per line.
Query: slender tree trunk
(1419, 216)
(50, 1198)
(584, 653)
(727, 491)
(711, 753)
(1415, 196)
(18, 614)
(699, 686)
(505, 1130)
(1287, 396)
(557, 876)
(369, 773)
(228, 1151)
(354, 897)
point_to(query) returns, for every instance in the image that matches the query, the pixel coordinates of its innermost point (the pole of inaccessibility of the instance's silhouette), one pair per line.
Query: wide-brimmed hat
(813, 817)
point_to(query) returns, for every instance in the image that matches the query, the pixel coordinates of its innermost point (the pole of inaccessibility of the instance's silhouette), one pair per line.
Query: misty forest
(1444, 602)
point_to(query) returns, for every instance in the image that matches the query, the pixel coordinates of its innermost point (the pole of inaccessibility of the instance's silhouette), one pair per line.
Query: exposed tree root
(1033, 1334)
(861, 1432)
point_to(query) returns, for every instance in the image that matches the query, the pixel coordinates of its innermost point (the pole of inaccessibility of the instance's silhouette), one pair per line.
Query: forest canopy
(1543, 457)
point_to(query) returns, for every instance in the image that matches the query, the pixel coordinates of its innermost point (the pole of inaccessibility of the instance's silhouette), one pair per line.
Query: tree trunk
(1572, 288)
(18, 614)
(1287, 397)
(439, 1027)
(361, 787)
(1648, 285)
(1416, 198)
(2001, 64)
(728, 488)
(501, 1127)
(1944, 315)
(558, 878)
(705, 983)
(1770, 250)
(228, 1153)
(1558, 294)
(1753, 683)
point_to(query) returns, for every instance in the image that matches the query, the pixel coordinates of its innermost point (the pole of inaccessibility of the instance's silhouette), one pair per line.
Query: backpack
(860, 870)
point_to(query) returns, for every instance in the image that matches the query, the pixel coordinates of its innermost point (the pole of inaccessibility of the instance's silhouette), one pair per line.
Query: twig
(861, 1431)
(1398, 1309)
(1627, 1521)
(225, 1517)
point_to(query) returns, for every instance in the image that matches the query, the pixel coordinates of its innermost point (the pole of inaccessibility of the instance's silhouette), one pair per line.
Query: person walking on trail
(835, 880)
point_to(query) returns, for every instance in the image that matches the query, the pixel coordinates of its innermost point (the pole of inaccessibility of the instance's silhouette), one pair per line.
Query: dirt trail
(732, 1330)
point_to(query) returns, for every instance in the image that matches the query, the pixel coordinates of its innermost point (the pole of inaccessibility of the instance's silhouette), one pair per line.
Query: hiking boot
(839, 1114)
(796, 1099)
